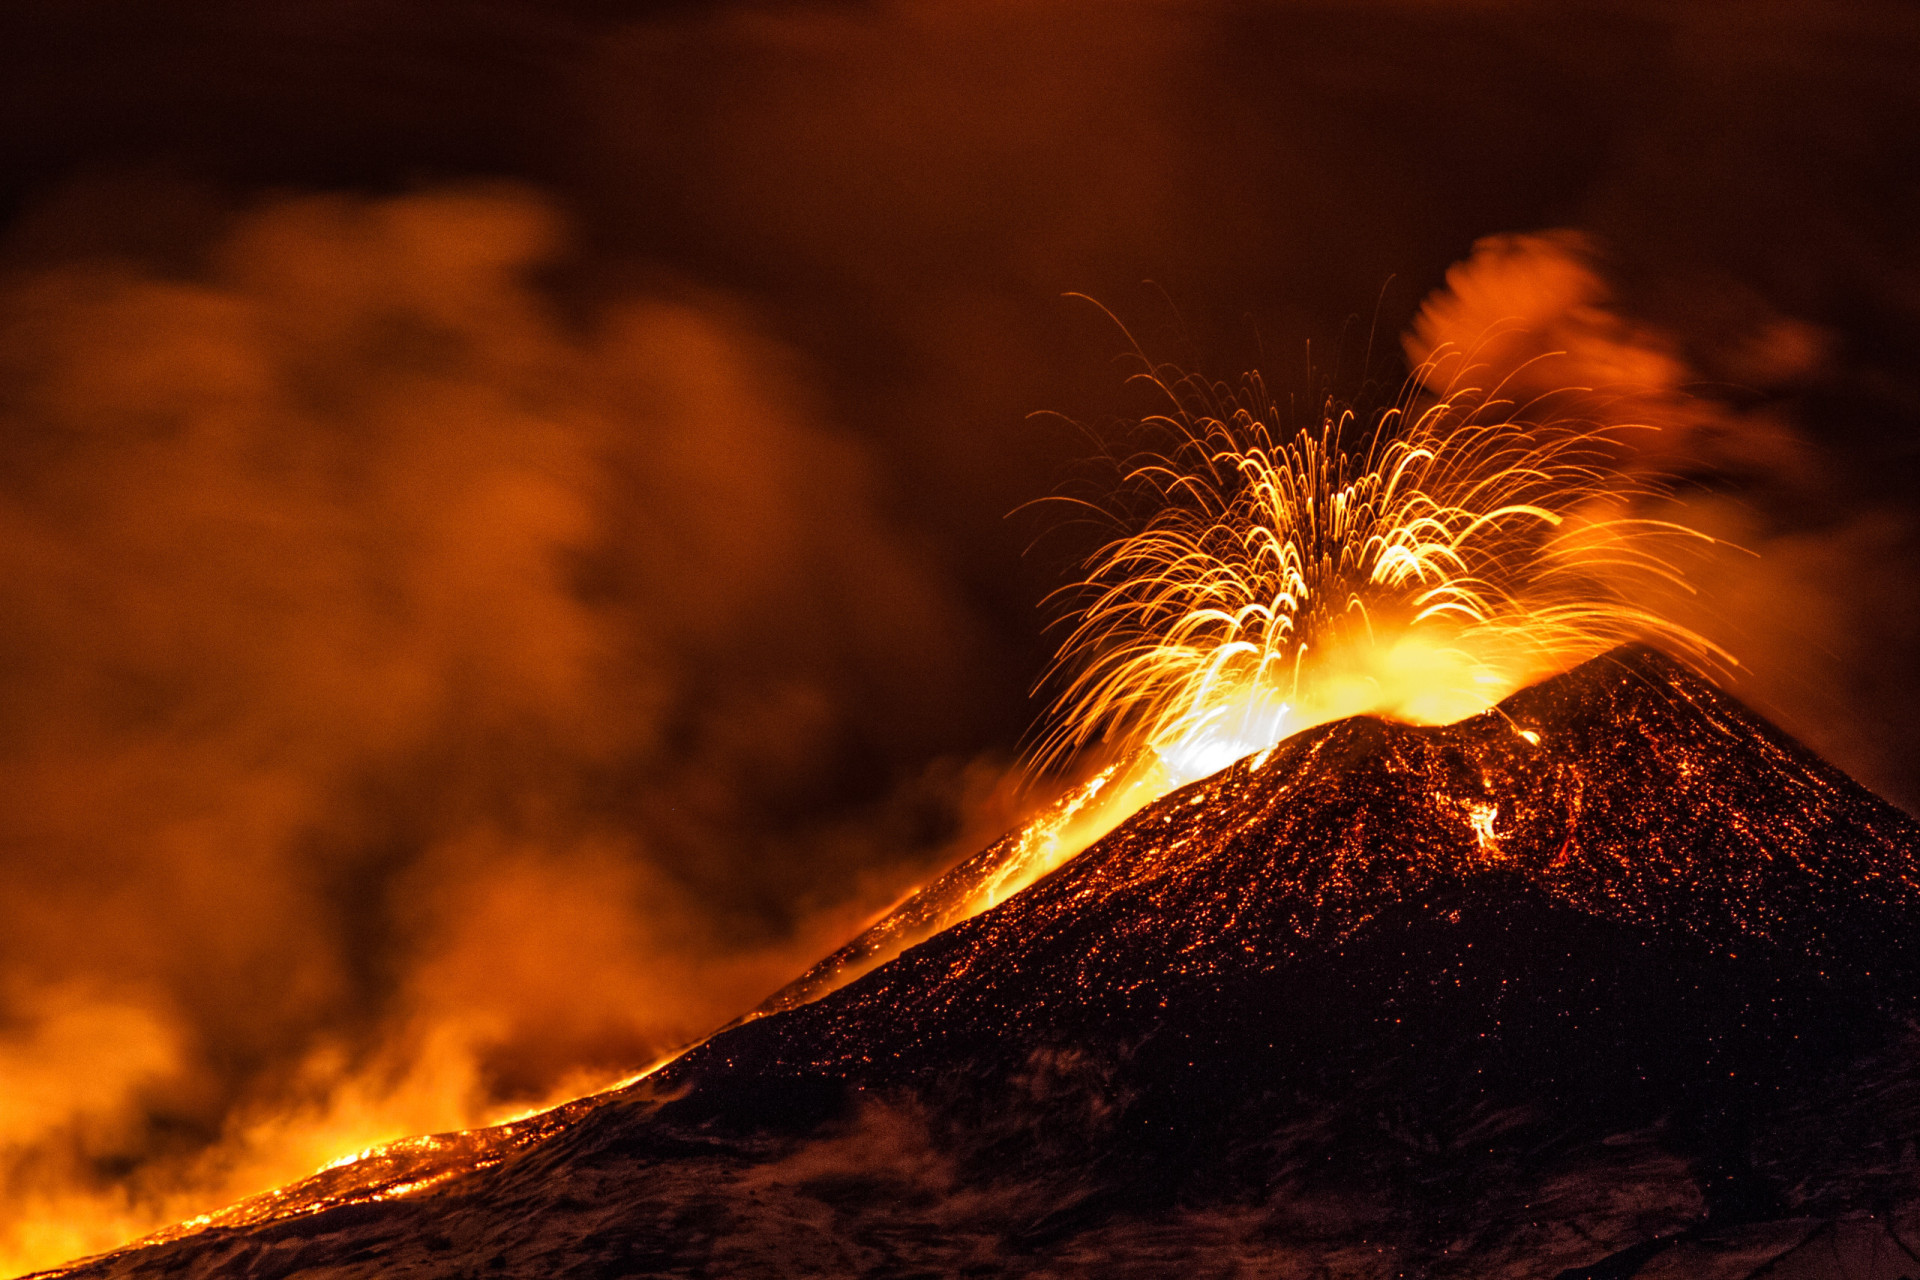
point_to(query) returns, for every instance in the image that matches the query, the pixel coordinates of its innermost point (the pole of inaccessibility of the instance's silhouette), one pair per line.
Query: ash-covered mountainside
(1614, 980)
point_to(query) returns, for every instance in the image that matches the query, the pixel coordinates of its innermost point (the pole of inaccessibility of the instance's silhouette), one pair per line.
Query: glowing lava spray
(1421, 567)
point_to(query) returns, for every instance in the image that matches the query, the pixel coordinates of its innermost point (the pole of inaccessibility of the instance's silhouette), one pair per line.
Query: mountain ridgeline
(1613, 980)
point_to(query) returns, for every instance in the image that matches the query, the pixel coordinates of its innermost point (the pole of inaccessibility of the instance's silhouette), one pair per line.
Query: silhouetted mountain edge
(1612, 978)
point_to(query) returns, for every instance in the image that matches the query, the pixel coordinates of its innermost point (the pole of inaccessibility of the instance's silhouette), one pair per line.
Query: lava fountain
(1421, 565)
(1420, 568)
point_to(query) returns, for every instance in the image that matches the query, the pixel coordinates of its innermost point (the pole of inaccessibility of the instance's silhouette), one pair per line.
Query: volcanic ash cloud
(398, 680)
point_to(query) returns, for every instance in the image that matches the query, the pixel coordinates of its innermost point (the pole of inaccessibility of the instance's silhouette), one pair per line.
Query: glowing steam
(394, 738)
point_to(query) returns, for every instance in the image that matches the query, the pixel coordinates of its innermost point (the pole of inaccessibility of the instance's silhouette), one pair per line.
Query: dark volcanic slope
(1614, 980)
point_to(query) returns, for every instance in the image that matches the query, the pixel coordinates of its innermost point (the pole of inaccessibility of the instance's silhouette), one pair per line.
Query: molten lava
(1422, 569)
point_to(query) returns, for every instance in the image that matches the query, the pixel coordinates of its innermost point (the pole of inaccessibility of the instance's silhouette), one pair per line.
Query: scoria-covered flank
(1613, 980)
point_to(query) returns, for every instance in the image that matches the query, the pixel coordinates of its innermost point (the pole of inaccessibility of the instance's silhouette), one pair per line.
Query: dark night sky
(505, 510)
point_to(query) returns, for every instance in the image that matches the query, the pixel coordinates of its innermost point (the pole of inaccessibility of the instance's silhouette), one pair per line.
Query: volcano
(1613, 980)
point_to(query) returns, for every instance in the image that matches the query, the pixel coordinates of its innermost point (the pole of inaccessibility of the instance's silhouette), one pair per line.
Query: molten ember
(1420, 569)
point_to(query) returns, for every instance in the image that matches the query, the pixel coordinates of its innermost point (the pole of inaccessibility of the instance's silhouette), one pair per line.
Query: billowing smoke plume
(1799, 586)
(414, 701)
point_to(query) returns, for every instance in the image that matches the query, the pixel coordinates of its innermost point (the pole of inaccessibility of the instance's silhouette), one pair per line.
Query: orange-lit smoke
(396, 677)
(1813, 607)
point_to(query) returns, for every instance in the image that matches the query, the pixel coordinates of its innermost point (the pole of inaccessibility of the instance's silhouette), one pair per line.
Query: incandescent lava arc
(1611, 980)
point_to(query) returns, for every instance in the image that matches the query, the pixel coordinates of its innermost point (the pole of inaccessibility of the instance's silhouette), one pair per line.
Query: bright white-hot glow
(1483, 816)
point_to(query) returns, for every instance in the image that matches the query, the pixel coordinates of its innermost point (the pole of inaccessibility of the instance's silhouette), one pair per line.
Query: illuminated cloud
(399, 680)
